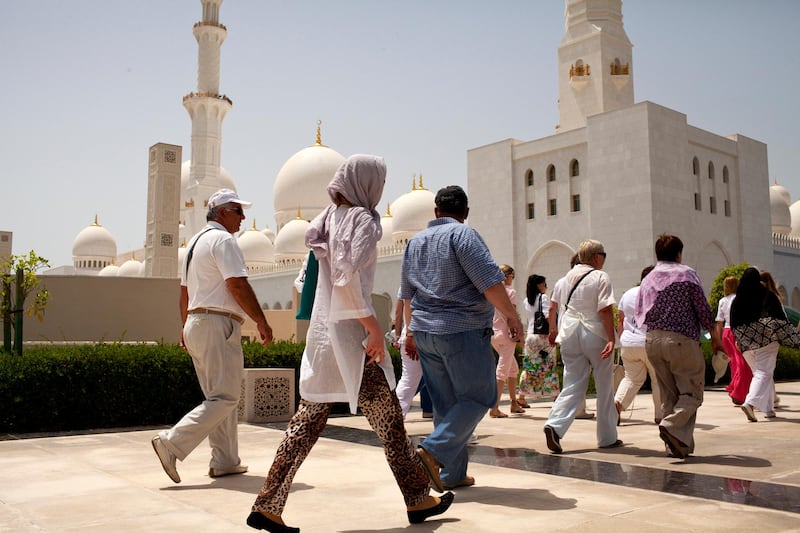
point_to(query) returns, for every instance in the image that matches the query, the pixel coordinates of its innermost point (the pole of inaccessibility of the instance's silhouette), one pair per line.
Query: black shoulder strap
(576, 286)
(540, 302)
(190, 253)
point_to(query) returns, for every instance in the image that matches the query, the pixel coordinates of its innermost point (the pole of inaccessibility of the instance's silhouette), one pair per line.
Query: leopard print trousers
(382, 409)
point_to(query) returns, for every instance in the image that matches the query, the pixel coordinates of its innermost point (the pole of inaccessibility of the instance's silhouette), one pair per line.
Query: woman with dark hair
(759, 323)
(539, 377)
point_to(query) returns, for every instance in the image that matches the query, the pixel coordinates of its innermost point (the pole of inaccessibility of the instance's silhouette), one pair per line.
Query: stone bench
(268, 395)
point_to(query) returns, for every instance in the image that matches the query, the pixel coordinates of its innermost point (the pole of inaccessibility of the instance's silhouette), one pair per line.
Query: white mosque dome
(411, 213)
(779, 209)
(269, 233)
(387, 225)
(302, 183)
(131, 269)
(794, 213)
(225, 178)
(257, 249)
(783, 191)
(94, 241)
(109, 271)
(290, 244)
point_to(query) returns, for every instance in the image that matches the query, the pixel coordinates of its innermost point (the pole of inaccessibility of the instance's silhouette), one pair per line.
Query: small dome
(387, 225)
(109, 271)
(256, 247)
(794, 212)
(302, 183)
(782, 191)
(269, 233)
(780, 214)
(94, 241)
(131, 269)
(290, 244)
(412, 212)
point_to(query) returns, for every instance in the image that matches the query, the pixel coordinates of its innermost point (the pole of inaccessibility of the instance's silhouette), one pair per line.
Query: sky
(90, 85)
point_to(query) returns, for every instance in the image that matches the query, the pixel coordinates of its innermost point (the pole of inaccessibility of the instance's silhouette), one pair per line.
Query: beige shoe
(468, 481)
(432, 467)
(167, 459)
(220, 472)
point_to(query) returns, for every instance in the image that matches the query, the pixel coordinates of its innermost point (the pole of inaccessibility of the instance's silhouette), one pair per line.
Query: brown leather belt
(206, 311)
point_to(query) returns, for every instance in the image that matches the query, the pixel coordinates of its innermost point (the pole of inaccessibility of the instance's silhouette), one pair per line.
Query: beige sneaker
(220, 472)
(167, 459)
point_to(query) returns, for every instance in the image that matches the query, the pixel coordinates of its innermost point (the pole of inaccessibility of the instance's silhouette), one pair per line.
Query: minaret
(595, 62)
(207, 108)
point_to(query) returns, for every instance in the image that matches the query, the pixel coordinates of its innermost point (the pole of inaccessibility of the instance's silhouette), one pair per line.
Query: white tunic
(333, 361)
(591, 295)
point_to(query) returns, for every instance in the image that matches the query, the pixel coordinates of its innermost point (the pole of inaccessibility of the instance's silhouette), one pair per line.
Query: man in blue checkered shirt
(454, 286)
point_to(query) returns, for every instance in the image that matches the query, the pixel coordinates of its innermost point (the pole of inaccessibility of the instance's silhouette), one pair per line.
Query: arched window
(710, 170)
(529, 178)
(725, 176)
(696, 166)
(551, 173)
(574, 168)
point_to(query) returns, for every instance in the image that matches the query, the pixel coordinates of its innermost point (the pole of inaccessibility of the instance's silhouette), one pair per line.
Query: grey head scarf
(360, 180)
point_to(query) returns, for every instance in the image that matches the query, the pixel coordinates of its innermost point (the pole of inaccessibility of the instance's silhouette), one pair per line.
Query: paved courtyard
(744, 477)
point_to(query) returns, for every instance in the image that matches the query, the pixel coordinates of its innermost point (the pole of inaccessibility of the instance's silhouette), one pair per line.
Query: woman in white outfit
(634, 357)
(586, 335)
(759, 323)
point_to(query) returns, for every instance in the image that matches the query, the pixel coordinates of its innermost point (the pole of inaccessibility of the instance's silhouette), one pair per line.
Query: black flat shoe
(259, 521)
(419, 516)
(553, 440)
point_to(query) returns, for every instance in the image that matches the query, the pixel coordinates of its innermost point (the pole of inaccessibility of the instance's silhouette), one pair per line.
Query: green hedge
(50, 389)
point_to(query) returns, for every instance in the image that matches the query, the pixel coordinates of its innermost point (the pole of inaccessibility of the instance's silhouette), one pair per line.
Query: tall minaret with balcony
(595, 62)
(207, 108)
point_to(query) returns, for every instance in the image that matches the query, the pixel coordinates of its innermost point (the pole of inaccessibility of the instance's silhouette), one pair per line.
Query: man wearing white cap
(215, 296)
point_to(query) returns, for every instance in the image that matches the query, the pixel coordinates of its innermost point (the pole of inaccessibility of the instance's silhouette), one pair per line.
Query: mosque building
(615, 170)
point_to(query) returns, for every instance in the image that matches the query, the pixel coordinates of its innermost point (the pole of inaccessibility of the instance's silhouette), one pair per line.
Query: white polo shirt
(216, 257)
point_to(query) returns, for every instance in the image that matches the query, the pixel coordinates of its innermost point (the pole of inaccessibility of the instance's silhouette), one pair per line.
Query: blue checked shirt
(446, 269)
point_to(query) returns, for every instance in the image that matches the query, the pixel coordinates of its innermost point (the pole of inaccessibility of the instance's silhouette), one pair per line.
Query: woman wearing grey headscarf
(345, 359)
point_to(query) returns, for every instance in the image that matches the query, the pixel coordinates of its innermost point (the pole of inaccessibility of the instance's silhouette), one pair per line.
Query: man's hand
(411, 349)
(265, 331)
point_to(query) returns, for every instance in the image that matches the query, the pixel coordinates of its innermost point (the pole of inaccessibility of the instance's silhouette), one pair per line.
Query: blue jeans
(459, 373)
(424, 397)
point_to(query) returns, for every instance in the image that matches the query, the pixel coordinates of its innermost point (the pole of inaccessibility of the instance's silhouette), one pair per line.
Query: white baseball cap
(226, 196)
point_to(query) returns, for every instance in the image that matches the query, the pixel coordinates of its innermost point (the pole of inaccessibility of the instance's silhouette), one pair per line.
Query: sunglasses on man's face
(236, 209)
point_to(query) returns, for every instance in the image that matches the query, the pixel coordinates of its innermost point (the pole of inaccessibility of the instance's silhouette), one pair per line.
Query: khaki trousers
(680, 371)
(215, 344)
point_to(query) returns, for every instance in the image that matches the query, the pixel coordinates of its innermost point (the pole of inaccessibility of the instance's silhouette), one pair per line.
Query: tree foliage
(717, 291)
(29, 264)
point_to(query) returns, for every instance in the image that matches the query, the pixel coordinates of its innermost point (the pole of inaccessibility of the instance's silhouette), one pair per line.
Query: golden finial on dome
(388, 210)
(319, 133)
(413, 182)
(254, 224)
(421, 187)
(95, 220)
(298, 214)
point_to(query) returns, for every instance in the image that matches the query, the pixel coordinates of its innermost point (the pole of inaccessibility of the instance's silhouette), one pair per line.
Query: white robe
(333, 361)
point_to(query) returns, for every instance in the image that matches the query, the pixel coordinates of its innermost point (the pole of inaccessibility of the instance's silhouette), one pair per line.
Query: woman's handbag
(540, 324)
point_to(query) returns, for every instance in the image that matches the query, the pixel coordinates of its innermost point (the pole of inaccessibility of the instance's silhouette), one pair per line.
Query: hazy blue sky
(91, 84)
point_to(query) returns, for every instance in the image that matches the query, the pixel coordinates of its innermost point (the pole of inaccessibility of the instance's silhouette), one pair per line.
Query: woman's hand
(375, 348)
(608, 350)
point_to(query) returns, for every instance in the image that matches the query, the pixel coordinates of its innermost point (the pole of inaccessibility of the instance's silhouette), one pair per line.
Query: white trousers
(580, 353)
(634, 359)
(215, 344)
(762, 387)
(409, 380)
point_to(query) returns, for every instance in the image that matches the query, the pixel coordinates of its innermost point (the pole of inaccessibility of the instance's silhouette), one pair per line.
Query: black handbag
(540, 324)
